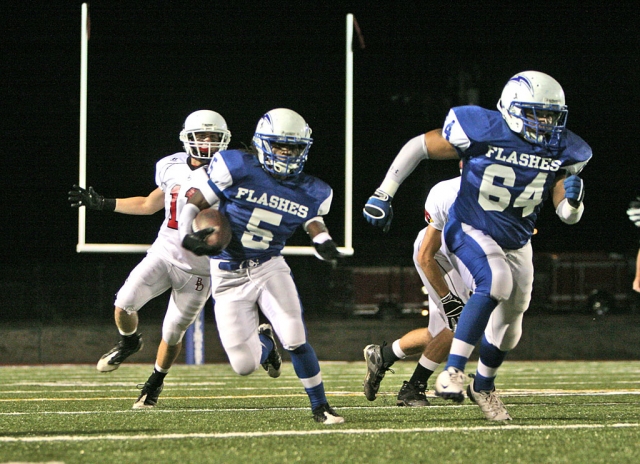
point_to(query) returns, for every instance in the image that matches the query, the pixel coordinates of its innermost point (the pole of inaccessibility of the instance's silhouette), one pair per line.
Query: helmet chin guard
(200, 125)
(282, 127)
(533, 105)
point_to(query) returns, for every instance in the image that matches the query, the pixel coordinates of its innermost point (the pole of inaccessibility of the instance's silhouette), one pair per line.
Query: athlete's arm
(568, 204)
(190, 210)
(439, 147)
(636, 281)
(427, 259)
(451, 303)
(150, 204)
(432, 145)
(195, 241)
(325, 247)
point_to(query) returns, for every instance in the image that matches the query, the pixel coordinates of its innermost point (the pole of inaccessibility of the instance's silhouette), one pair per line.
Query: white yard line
(329, 431)
(265, 409)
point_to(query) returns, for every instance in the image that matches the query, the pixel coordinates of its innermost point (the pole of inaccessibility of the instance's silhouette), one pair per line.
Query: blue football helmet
(287, 132)
(533, 105)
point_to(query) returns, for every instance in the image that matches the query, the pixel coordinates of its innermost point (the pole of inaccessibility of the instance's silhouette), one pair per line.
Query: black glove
(91, 199)
(196, 242)
(327, 251)
(452, 308)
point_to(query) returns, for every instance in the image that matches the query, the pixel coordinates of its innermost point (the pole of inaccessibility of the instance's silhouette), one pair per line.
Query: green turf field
(564, 412)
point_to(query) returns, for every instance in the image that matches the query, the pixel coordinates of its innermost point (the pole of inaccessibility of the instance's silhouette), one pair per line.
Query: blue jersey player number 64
(493, 197)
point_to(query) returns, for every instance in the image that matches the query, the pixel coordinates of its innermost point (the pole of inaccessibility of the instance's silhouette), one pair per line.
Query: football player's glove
(91, 199)
(574, 190)
(327, 251)
(452, 308)
(634, 211)
(82, 197)
(196, 242)
(378, 210)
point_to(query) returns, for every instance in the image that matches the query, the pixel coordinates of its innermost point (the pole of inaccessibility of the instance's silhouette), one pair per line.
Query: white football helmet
(533, 105)
(282, 126)
(201, 125)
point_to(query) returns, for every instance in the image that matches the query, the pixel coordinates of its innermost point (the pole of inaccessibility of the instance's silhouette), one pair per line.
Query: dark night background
(152, 63)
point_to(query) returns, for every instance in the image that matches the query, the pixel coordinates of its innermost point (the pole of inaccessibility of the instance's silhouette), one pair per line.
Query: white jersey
(439, 201)
(436, 213)
(177, 179)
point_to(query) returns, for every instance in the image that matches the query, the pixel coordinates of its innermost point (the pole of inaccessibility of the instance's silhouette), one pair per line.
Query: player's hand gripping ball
(212, 233)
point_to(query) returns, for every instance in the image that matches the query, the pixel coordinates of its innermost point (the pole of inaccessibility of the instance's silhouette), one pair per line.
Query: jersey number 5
(496, 198)
(255, 237)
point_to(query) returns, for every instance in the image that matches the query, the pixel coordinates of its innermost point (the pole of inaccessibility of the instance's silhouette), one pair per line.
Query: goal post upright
(82, 175)
(348, 140)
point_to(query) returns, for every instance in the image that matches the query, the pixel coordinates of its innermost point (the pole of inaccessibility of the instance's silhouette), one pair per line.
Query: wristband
(321, 238)
(567, 213)
(108, 204)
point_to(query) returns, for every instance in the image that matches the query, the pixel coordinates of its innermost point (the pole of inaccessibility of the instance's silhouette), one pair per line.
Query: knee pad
(174, 329)
(501, 278)
(506, 335)
(242, 360)
(511, 339)
(172, 336)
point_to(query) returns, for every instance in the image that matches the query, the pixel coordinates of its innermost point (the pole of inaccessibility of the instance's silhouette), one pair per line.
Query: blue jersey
(505, 179)
(263, 211)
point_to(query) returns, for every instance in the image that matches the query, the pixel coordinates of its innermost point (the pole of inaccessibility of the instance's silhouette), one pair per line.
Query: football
(213, 218)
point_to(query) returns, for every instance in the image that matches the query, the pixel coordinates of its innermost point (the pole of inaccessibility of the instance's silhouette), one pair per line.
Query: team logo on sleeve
(427, 217)
(448, 128)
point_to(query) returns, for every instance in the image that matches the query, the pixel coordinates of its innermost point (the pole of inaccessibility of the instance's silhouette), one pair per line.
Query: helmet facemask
(282, 140)
(282, 156)
(205, 133)
(533, 105)
(203, 144)
(541, 124)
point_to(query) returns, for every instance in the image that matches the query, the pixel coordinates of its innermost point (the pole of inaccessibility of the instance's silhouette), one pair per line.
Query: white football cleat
(450, 384)
(111, 360)
(490, 404)
(326, 415)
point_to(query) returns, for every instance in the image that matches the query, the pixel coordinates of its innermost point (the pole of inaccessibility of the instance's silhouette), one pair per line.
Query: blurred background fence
(582, 308)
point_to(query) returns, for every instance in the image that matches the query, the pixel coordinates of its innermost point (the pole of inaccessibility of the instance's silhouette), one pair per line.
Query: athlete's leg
(236, 313)
(437, 348)
(188, 297)
(480, 256)
(280, 302)
(147, 280)
(505, 325)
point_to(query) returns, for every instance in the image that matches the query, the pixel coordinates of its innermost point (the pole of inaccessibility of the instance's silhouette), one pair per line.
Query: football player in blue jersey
(513, 160)
(266, 197)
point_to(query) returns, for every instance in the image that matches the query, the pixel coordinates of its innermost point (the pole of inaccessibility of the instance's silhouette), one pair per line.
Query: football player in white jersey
(167, 264)
(514, 159)
(266, 196)
(443, 284)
